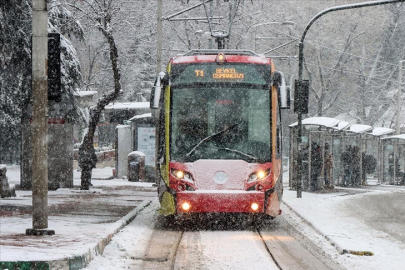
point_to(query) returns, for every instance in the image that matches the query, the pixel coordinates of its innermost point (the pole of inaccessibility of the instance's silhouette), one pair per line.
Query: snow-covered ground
(345, 220)
(336, 217)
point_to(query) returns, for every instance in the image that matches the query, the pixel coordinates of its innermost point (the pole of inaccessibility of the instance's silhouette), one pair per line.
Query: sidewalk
(364, 225)
(84, 221)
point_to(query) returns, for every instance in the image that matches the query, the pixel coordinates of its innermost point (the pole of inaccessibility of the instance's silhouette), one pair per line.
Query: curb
(76, 262)
(103, 178)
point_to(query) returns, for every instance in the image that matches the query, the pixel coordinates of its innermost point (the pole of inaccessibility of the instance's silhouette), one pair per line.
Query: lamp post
(300, 86)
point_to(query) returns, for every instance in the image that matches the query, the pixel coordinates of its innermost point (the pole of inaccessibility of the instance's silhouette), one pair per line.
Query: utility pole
(159, 38)
(299, 89)
(399, 101)
(39, 124)
(210, 41)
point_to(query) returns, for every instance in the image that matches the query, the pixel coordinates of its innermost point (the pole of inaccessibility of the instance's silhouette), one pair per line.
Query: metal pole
(159, 38)
(399, 101)
(210, 41)
(39, 123)
(300, 68)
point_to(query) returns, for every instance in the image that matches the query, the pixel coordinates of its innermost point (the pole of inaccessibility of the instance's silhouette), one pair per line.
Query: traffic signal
(54, 69)
(301, 96)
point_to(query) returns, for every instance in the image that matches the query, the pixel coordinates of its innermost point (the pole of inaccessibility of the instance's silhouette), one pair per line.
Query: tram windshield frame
(221, 120)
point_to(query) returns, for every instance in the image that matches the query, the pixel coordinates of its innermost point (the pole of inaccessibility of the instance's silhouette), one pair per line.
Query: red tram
(219, 133)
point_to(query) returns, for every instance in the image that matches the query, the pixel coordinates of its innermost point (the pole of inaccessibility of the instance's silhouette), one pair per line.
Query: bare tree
(380, 76)
(101, 13)
(324, 89)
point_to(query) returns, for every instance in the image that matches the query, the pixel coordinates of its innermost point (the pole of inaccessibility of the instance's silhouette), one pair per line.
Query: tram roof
(232, 56)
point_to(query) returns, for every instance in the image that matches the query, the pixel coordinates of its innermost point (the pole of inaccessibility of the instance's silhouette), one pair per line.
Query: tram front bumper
(221, 201)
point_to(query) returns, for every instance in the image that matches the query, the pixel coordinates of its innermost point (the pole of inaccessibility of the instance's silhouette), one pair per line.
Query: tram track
(173, 263)
(216, 244)
(268, 250)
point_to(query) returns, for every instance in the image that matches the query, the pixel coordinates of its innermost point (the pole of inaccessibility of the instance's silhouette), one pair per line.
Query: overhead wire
(346, 71)
(333, 49)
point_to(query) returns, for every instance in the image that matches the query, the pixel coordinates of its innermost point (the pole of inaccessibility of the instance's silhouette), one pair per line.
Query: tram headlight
(259, 175)
(221, 58)
(179, 174)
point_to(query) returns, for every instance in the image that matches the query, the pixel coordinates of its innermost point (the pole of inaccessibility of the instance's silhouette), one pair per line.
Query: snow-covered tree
(15, 68)
(15, 74)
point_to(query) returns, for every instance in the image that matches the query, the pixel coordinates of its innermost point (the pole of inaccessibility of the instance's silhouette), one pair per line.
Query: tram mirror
(161, 80)
(283, 89)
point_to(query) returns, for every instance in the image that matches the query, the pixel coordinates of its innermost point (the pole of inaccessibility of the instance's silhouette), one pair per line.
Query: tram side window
(259, 115)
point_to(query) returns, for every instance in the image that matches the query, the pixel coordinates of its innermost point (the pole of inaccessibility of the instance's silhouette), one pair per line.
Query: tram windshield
(220, 122)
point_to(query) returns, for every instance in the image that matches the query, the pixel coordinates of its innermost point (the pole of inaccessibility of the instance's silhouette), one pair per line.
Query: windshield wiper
(208, 138)
(238, 152)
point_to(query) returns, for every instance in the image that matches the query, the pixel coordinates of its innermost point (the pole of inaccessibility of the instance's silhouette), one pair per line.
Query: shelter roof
(360, 128)
(400, 136)
(342, 125)
(122, 126)
(379, 131)
(336, 124)
(84, 93)
(319, 121)
(127, 105)
(145, 115)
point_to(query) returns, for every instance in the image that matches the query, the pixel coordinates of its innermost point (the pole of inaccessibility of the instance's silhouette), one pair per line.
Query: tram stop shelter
(335, 153)
(393, 160)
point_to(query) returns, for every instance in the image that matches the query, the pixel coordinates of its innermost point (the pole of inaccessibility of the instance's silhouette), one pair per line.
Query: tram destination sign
(213, 73)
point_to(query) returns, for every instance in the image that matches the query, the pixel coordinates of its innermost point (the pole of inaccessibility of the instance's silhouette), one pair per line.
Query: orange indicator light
(254, 206)
(186, 206)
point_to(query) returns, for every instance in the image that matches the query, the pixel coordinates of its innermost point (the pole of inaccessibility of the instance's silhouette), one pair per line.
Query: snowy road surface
(150, 242)
(325, 225)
